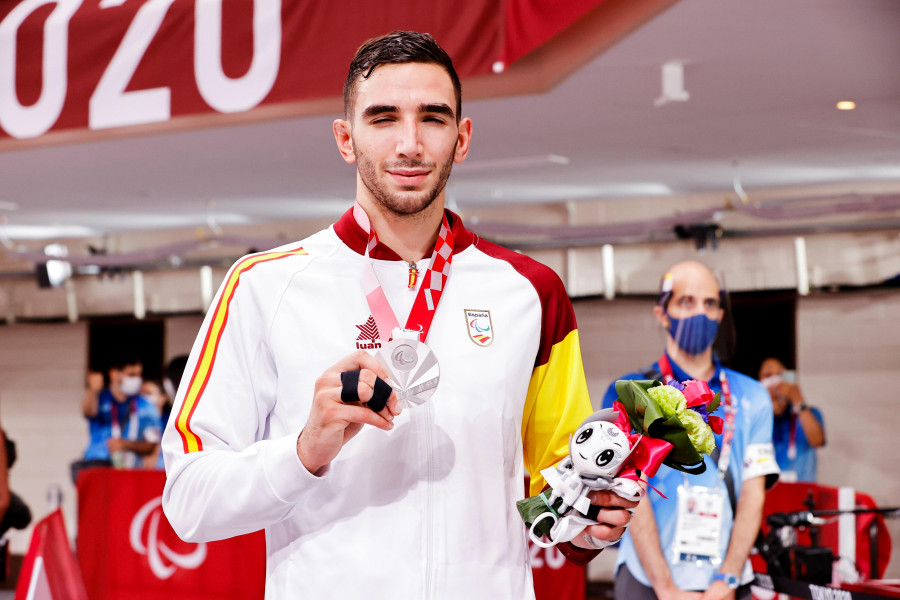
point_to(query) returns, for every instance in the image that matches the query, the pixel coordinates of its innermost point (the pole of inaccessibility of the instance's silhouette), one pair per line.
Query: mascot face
(598, 448)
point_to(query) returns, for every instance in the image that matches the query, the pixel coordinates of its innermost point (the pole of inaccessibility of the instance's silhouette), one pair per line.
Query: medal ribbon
(116, 424)
(792, 435)
(665, 369)
(429, 295)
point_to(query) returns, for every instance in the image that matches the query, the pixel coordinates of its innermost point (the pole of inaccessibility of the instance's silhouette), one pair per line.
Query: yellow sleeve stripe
(556, 404)
(207, 359)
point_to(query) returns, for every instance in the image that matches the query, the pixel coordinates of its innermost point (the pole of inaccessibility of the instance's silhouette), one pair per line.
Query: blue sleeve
(149, 421)
(818, 415)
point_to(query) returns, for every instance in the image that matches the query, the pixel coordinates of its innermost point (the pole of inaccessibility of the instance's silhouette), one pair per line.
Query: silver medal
(413, 368)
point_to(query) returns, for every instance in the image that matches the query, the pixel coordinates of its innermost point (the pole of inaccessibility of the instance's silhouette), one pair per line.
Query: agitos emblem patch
(479, 326)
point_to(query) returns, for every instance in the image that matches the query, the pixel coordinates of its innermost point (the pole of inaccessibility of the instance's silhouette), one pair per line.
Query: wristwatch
(730, 580)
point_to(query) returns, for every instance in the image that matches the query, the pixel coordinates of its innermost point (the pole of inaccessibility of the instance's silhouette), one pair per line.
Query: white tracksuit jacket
(426, 510)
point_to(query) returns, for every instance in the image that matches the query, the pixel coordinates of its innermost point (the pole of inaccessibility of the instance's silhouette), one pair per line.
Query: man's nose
(409, 143)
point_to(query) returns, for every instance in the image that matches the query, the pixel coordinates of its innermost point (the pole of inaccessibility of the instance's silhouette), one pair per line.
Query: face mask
(694, 334)
(169, 387)
(131, 385)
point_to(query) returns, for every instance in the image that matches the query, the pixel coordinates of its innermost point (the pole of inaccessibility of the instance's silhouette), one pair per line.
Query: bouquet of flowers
(652, 423)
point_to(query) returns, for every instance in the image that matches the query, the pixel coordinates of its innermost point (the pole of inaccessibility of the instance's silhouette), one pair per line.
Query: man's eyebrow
(441, 109)
(378, 109)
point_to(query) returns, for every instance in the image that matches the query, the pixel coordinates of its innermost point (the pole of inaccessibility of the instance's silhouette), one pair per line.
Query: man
(280, 425)
(694, 542)
(14, 513)
(795, 447)
(123, 426)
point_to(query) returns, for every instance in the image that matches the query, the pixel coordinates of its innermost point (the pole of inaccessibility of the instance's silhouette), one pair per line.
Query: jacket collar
(354, 236)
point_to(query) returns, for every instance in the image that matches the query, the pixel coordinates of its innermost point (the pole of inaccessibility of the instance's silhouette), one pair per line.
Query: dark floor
(9, 574)
(599, 590)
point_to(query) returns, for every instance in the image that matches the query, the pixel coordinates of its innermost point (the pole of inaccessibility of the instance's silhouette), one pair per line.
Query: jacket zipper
(429, 505)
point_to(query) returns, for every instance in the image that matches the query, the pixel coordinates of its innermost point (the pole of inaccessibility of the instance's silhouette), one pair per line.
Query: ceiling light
(846, 105)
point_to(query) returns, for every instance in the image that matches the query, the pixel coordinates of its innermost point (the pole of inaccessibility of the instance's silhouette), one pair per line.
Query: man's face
(116, 376)
(403, 135)
(694, 296)
(770, 375)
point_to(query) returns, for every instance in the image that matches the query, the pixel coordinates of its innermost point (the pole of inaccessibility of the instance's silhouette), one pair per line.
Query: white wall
(42, 369)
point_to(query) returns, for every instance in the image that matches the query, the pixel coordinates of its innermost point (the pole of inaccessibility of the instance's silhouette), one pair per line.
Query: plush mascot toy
(651, 424)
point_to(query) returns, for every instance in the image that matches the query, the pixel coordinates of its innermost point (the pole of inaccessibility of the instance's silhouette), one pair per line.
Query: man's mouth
(408, 176)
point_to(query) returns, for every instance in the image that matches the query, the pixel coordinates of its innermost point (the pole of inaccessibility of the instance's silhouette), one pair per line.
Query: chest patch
(479, 326)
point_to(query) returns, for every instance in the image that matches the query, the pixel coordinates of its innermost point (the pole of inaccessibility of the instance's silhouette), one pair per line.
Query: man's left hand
(718, 590)
(116, 445)
(612, 520)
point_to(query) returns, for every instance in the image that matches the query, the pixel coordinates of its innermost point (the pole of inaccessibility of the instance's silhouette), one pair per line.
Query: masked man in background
(695, 541)
(123, 425)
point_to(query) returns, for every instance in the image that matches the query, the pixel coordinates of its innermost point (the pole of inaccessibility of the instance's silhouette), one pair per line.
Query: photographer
(798, 429)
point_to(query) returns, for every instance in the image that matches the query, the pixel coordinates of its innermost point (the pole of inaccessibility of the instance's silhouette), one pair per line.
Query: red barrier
(554, 576)
(128, 551)
(790, 497)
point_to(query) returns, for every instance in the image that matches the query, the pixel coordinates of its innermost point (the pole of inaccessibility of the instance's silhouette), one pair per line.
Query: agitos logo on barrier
(128, 549)
(143, 534)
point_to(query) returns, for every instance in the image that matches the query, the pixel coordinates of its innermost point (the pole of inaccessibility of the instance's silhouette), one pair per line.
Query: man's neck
(117, 394)
(412, 237)
(699, 366)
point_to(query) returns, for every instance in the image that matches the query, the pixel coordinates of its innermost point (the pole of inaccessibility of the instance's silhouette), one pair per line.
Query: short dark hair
(398, 47)
(120, 361)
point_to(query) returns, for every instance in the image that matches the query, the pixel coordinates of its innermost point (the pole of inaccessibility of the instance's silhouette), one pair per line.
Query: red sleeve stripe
(207, 357)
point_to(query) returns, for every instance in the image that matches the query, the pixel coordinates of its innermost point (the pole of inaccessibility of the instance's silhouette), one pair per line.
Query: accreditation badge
(413, 368)
(698, 530)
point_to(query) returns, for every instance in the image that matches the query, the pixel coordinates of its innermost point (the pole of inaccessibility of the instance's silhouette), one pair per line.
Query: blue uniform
(751, 456)
(801, 467)
(138, 420)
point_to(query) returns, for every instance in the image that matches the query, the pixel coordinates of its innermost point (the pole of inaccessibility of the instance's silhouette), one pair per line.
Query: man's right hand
(94, 382)
(333, 422)
(90, 401)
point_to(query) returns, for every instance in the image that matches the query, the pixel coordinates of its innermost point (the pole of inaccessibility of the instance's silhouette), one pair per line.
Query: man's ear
(344, 140)
(462, 140)
(660, 313)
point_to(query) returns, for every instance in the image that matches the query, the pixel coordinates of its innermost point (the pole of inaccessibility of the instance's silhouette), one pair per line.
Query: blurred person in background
(14, 513)
(162, 395)
(671, 550)
(153, 391)
(174, 372)
(798, 429)
(123, 426)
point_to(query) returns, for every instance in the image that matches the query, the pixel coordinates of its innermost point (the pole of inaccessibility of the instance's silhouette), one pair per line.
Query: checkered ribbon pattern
(429, 295)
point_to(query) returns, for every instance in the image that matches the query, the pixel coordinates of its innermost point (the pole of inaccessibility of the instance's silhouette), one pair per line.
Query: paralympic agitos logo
(479, 326)
(144, 535)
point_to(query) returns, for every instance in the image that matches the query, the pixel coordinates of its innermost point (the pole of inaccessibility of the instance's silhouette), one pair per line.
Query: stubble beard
(406, 202)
